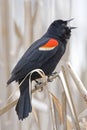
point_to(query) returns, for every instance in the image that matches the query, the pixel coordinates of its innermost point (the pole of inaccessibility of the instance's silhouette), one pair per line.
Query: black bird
(44, 54)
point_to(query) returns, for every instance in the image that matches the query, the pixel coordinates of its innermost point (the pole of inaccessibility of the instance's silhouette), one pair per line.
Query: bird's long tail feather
(24, 103)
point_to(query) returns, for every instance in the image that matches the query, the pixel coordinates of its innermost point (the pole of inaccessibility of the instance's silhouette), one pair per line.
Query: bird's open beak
(70, 21)
(73, 27)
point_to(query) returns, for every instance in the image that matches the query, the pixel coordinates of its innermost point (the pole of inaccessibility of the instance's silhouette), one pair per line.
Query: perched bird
(44, 54)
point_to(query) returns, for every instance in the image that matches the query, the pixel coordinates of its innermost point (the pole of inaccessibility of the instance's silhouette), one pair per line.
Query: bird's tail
(24, 103)
(11, 79)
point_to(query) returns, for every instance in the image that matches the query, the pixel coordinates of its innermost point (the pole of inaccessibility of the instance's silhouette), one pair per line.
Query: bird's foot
(36, 86)
(49, 79)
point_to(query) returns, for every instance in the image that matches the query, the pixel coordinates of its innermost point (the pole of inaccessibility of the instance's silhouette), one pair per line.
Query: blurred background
(21, 23)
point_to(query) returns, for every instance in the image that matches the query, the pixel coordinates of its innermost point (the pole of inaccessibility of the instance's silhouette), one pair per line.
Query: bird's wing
(37, 55)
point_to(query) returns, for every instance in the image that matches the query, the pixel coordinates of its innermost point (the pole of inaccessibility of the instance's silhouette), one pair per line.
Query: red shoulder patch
(51, 44)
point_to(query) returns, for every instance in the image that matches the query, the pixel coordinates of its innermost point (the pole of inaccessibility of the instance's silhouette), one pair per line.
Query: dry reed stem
(64, 111)
(20, 37)
(63, 78)
(36, 117)
(58, 107)
(69, 124)
(17, 31)
(8, 107)
(52, 111)
(78, 82)
(28, 24)
(83, 114)
(13, 103)
(35, 12)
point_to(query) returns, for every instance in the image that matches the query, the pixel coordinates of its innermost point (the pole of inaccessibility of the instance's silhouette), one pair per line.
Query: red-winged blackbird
(44, 54)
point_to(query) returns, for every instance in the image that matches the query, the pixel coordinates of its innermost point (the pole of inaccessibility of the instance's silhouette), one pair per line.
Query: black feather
(23, 106)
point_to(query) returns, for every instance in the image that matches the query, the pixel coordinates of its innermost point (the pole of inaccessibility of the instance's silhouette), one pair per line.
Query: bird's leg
(48, 79)
(38, 83)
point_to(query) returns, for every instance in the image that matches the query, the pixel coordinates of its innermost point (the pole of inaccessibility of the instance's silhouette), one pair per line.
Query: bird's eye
(63, 24)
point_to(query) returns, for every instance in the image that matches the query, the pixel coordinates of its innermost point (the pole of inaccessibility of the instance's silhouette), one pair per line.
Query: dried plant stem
(58, 106)
(78, 82)
(52, 110)
(8, 107)
(65, 84)
(28, 27)
(64, 111)
(35, 12)
(20, 37)
(44, 83)
(36, 117)
(13, 103)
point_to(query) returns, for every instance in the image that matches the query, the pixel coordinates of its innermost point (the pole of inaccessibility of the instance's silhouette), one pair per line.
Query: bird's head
(61, 29)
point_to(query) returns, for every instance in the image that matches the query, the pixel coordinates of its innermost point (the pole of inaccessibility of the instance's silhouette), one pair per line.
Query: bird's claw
(49, 80)
(36, 86)
(49, 77)
(54, 73)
